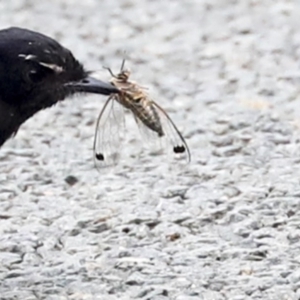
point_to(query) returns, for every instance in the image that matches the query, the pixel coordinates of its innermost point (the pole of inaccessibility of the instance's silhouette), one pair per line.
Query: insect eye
(123, 77)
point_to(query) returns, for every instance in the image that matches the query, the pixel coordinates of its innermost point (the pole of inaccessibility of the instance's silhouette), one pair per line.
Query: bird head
(37, 72)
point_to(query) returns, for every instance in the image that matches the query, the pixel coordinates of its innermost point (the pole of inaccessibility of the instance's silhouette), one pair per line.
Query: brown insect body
(134, 98)
(147, 113)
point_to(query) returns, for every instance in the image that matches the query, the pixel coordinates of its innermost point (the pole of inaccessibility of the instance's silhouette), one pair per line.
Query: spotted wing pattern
(154, 123)
(171, 141)
(110, 129)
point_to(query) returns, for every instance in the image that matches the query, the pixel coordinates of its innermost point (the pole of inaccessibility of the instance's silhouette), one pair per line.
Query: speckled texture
(225, 226)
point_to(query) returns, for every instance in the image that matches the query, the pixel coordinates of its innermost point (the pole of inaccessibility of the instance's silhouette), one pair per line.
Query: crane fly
(150, 117)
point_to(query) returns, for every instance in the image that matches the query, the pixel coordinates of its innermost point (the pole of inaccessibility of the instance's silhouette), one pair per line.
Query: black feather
(35, 73)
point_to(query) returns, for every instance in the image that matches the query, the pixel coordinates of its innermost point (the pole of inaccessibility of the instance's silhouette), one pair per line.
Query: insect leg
(110, 72)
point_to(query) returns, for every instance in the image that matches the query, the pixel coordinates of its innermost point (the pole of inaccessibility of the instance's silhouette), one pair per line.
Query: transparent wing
(172, 141)
(110, 129)
(150, 137)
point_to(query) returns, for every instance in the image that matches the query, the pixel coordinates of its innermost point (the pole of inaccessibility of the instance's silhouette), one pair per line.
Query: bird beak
(91, 84)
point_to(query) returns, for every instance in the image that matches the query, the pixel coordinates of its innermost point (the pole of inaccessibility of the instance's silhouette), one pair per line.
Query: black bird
(35, 73)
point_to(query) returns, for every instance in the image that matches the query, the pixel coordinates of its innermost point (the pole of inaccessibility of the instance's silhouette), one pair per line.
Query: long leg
(110, 72)
(122, 65)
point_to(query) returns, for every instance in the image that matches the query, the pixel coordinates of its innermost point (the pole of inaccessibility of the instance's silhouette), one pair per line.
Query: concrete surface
(225, 226)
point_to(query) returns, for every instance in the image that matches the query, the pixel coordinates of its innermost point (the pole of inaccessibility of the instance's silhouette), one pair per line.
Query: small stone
(71, 180)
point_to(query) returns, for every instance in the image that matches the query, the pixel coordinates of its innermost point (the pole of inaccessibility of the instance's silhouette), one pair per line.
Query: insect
(150, 117)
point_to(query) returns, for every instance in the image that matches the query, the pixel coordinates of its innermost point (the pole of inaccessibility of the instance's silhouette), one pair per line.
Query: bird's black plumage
(35, 73)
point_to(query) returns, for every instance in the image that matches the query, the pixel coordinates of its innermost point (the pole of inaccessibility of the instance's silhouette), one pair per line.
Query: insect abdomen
(147, 113)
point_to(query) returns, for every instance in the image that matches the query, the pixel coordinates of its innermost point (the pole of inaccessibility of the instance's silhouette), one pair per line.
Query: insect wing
(110, 130)
(172, 135)
(149, 137)
(172, 141)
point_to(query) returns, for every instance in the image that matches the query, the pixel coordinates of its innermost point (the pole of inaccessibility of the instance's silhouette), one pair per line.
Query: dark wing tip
(99, 156)
(179, 149)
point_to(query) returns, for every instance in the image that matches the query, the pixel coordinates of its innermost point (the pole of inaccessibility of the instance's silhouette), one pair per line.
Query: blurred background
(225, 226)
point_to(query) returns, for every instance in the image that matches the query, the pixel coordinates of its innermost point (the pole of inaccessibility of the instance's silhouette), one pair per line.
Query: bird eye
(33, 76)
(37, 75)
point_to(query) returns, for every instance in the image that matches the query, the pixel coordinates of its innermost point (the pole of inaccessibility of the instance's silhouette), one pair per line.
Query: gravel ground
(227, 225)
